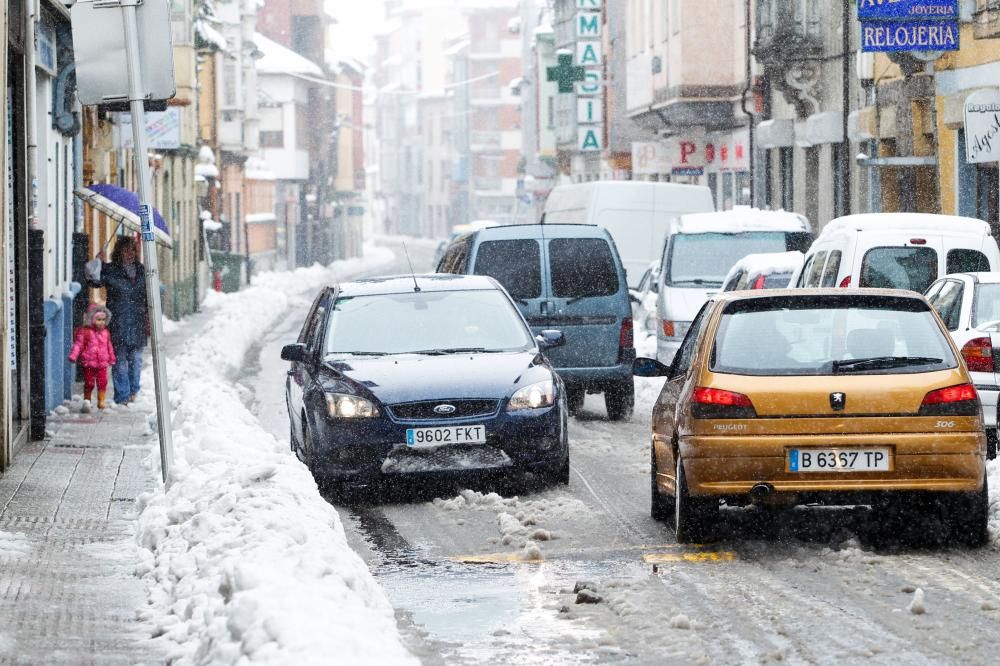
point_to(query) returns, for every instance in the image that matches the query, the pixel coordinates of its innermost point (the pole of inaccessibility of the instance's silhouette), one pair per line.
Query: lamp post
(845, 152)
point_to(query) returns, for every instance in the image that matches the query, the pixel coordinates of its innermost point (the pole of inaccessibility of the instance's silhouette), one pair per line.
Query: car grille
(424, 411)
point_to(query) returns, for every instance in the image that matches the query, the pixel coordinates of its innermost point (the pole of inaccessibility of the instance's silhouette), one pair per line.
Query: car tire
(694, 517)
(620, 401)
(574, 399)
(970, 517)
(560, 474)
(660, 507)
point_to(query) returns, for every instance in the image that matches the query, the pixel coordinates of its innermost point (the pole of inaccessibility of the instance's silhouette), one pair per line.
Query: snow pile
(245, 561)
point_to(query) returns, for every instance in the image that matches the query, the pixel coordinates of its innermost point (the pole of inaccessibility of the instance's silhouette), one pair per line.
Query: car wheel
(620, 401)
(694, 517)
(660, 507)
(291, 438)
(970, 517)
(574, 399)
(560, 474)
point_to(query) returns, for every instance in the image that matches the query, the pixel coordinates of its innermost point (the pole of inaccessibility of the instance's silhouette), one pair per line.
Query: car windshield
(814, 335)
(987, 305)
(427, 322)
(705, 259)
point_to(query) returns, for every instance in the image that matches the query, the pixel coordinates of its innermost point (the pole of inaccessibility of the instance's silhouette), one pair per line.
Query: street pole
(136, 105)
(845, 156)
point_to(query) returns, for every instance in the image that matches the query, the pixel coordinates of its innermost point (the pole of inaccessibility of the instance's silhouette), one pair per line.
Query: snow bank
(245, 561)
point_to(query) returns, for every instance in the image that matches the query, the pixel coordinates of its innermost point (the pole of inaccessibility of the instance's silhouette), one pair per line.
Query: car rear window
(913, 268)
(987, 305)
(516, 264)
(822, 335)
(967, 261)
(777, 280)
(582, 267)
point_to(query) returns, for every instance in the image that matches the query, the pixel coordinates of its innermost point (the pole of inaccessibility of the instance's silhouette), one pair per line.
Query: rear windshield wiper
(883, 362)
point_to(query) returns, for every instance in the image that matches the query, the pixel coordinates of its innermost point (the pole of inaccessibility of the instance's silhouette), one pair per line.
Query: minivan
(567, 277)
(637, 214)
(698, 253)
(897, 251)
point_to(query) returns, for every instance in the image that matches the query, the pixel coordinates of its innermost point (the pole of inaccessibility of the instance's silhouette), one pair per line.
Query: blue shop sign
(869, 10)
(909, 36)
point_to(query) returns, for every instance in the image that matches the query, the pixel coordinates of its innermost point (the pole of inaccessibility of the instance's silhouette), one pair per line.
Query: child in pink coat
(92, 347)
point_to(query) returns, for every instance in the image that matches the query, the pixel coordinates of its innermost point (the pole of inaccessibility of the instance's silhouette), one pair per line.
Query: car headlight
(536, 396)
(344, 406)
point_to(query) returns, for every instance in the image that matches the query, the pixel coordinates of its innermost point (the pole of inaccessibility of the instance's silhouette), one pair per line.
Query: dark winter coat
(126, 299)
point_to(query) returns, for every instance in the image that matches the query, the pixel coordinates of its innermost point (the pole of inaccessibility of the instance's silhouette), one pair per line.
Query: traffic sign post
(107, 90)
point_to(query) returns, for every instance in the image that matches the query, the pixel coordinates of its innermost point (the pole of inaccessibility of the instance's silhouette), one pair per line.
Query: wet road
(487, 574)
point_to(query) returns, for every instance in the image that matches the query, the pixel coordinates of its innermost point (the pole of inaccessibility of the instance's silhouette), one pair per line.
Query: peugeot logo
(444, 409)
(838, 401)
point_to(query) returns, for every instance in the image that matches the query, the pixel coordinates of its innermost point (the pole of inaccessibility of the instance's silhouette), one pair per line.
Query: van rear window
(967, 261)
(582, 268)
(516, 264)
(913, 268)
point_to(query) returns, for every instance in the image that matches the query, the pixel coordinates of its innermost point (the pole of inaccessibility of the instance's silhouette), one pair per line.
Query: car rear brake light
(675, 329)
(759, 282)
(918, 241)
(846, 282)
(960, 400)
(626, 339)
(710, 403)
(978, 355)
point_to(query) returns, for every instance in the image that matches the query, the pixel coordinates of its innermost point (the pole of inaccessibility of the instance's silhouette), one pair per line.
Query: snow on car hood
(412, 377)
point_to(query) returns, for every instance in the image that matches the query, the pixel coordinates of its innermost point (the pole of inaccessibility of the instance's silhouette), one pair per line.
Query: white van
(698, 253)
(637, 214)
(897, 251)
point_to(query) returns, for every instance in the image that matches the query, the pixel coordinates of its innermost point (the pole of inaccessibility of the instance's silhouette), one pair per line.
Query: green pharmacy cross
(565, 73)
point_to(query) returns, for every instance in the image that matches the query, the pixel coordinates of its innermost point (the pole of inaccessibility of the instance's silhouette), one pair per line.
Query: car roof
(991, 277)
(741, 218)
(515, 231)
(909, 223)
(401, 284)
(729, 296)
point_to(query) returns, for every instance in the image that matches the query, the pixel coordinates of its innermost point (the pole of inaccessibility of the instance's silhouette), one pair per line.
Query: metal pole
(752, 130)
(31, 13)
(845, 157)
(136, 101)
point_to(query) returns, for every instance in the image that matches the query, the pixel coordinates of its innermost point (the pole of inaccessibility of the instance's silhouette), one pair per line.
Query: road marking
(670, 558)
(495, 558)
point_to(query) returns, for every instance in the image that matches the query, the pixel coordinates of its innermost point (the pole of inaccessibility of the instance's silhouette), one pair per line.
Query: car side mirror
(296, 353)
(550, 339)
(633, 296)
(649, 367)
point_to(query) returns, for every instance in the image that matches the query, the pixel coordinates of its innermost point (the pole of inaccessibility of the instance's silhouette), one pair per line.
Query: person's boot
(85, 407)
(100, 399)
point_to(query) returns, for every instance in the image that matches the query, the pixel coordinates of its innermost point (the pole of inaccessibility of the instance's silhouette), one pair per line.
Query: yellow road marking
(711, 556)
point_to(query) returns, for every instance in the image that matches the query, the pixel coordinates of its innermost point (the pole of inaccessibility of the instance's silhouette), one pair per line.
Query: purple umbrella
(123, 205)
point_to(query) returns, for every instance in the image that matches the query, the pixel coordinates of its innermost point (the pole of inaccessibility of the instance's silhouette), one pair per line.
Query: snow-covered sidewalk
(246, 562)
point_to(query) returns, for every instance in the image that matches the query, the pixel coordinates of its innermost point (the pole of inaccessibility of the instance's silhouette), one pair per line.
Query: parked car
(763, 271)
(969, 306)
(636, 213)
(698, 253)
(856, 398)
(457, 231)
(567, 277)
(644, 300)
(897, 251)
(432, 374)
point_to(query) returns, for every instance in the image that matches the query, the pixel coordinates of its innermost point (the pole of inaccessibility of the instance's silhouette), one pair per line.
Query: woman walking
(124, 281)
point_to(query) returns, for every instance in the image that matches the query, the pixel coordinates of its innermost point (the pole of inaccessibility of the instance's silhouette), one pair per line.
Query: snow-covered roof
(908, 222)
(279, 60)
(767, 264)
(206, 170)
(740, 219)
(260, 218)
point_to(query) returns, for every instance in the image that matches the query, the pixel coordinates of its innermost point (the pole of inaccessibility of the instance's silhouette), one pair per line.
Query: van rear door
(895, 261)
(587, 301)
(516, 263)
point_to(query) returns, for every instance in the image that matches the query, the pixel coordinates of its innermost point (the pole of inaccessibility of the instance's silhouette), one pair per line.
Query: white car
(969, 305)
(773, 270)
(643, 299)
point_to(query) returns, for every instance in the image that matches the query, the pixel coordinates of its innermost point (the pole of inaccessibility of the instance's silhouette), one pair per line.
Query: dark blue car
(432, 374)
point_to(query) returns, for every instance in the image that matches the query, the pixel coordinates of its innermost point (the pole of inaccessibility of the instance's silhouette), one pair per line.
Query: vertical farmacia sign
(590, 91)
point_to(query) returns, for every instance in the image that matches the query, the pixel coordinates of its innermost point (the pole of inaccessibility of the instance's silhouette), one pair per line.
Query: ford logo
(444, 409)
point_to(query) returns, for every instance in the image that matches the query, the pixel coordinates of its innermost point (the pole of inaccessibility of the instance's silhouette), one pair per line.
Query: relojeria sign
(909, 25)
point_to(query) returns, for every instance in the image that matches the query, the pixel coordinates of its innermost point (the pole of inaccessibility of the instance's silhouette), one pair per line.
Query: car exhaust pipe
(761, 491)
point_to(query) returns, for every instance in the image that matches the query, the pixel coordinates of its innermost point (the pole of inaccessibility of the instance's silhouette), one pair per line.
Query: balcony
(788, 31)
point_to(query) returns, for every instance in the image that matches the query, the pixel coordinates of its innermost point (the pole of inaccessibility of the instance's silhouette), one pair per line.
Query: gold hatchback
(817, 396)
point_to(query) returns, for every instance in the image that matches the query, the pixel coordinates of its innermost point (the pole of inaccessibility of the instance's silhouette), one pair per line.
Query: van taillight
(960, 400)
(846, 282)
(759, 282)
(626, 339)
(918, 241)
(710, 403)
(978, 355)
